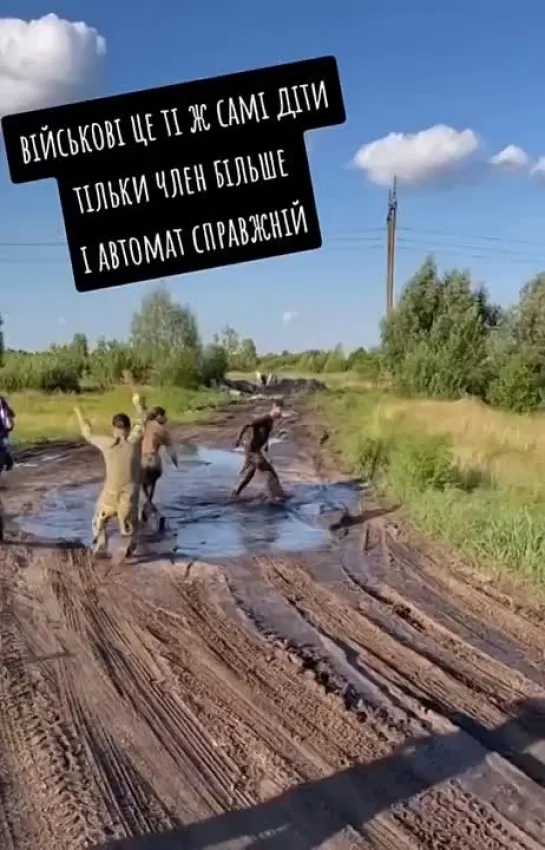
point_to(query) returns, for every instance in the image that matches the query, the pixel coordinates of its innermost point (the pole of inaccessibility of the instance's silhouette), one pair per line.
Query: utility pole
(391, 227)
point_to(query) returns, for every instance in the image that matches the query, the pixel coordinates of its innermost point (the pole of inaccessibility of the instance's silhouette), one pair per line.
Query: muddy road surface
(260, 677)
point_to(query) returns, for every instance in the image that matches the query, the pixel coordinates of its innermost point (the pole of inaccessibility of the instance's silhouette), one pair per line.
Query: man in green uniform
(122, 453)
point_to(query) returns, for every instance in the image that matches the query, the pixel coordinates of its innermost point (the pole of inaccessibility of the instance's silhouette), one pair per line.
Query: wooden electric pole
(391, 227)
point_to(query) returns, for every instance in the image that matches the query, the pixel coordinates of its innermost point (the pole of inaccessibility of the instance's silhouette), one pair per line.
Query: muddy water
(202, 520)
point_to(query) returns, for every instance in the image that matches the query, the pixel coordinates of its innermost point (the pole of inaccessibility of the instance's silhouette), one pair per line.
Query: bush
(422, 463)
(517, 387)
(44, 373)
(214, 363)
(182, 369)
(58, 378)
(111, 360)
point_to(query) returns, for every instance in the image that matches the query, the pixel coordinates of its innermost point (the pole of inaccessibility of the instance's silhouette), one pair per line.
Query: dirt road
(360, 696)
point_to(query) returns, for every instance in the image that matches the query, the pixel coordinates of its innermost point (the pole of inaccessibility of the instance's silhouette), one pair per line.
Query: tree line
(444, 339)
(164, 348)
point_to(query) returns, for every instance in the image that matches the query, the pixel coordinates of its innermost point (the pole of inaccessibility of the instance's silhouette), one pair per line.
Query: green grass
(42, 417)
(466, 474)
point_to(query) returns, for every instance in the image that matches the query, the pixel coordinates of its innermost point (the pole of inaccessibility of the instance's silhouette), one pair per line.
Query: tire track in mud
(41, 745)
(287, 723)
(135, 695)
(484, 619)
(424, 683)
(170, 707)
(172, 675)
(479, 818)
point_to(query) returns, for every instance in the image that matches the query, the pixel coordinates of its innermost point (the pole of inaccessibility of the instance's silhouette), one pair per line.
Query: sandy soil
(361, 697)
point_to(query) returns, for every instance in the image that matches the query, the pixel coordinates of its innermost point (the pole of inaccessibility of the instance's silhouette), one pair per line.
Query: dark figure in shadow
(254, 457)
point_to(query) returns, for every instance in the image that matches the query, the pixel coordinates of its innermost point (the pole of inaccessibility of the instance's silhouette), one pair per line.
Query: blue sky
(405, 66)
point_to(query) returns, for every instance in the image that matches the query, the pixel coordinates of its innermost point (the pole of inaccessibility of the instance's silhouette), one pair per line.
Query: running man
(255, 460)
(122, 455)
(156, 437)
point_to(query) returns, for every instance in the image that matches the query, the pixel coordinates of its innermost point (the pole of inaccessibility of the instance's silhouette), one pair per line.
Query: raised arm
(99, 441)
(141, 419)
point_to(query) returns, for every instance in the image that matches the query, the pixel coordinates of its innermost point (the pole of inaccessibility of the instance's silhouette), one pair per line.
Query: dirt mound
(278, 386)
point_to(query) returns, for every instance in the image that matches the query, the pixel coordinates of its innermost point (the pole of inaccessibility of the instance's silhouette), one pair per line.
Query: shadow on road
(354, 796)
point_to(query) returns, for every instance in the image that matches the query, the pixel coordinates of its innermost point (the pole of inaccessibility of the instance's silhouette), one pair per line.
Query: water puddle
(202, 521)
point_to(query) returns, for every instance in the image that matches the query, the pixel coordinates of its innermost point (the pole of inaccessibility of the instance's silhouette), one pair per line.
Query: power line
(348, 236)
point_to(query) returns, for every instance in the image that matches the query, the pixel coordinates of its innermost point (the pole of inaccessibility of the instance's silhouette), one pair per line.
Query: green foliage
(162, 326)
(180, 369)
(241, 354)
(245, 357)
(214, 364)
(445, 339)
(165, 350)
(438, 340)
(517, 386)
(335, 361)
(44, 372)
(483, 517)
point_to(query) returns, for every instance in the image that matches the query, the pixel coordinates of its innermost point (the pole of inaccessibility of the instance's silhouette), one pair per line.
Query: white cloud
(511, 157)
(539, 167)
(416, 157)
(288, 316)
(61, 320)
(47, 62)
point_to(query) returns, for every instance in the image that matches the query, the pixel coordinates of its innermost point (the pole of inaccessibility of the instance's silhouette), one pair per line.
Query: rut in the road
(157, 708)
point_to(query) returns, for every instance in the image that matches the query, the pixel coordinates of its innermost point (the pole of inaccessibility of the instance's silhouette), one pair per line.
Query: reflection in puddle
(40, 461)
(203, 522)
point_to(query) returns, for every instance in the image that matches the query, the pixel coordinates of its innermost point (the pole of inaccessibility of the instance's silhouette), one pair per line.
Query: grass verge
(41, 417)
(467, 474)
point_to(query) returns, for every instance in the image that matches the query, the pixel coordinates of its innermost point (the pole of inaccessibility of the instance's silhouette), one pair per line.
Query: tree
(230, 341)
(518, 385)
(162, 326)
(435, 341)
(80, 346)
(528, 317)
(214, 363)
(245, 356)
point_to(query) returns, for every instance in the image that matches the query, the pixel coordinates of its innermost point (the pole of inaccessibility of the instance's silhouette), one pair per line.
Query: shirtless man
(122, 457)
(255, 460)
(156, 437)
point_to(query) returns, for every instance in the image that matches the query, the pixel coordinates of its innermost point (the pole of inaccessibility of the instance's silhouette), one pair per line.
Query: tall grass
(467, 474)
(41, 416)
